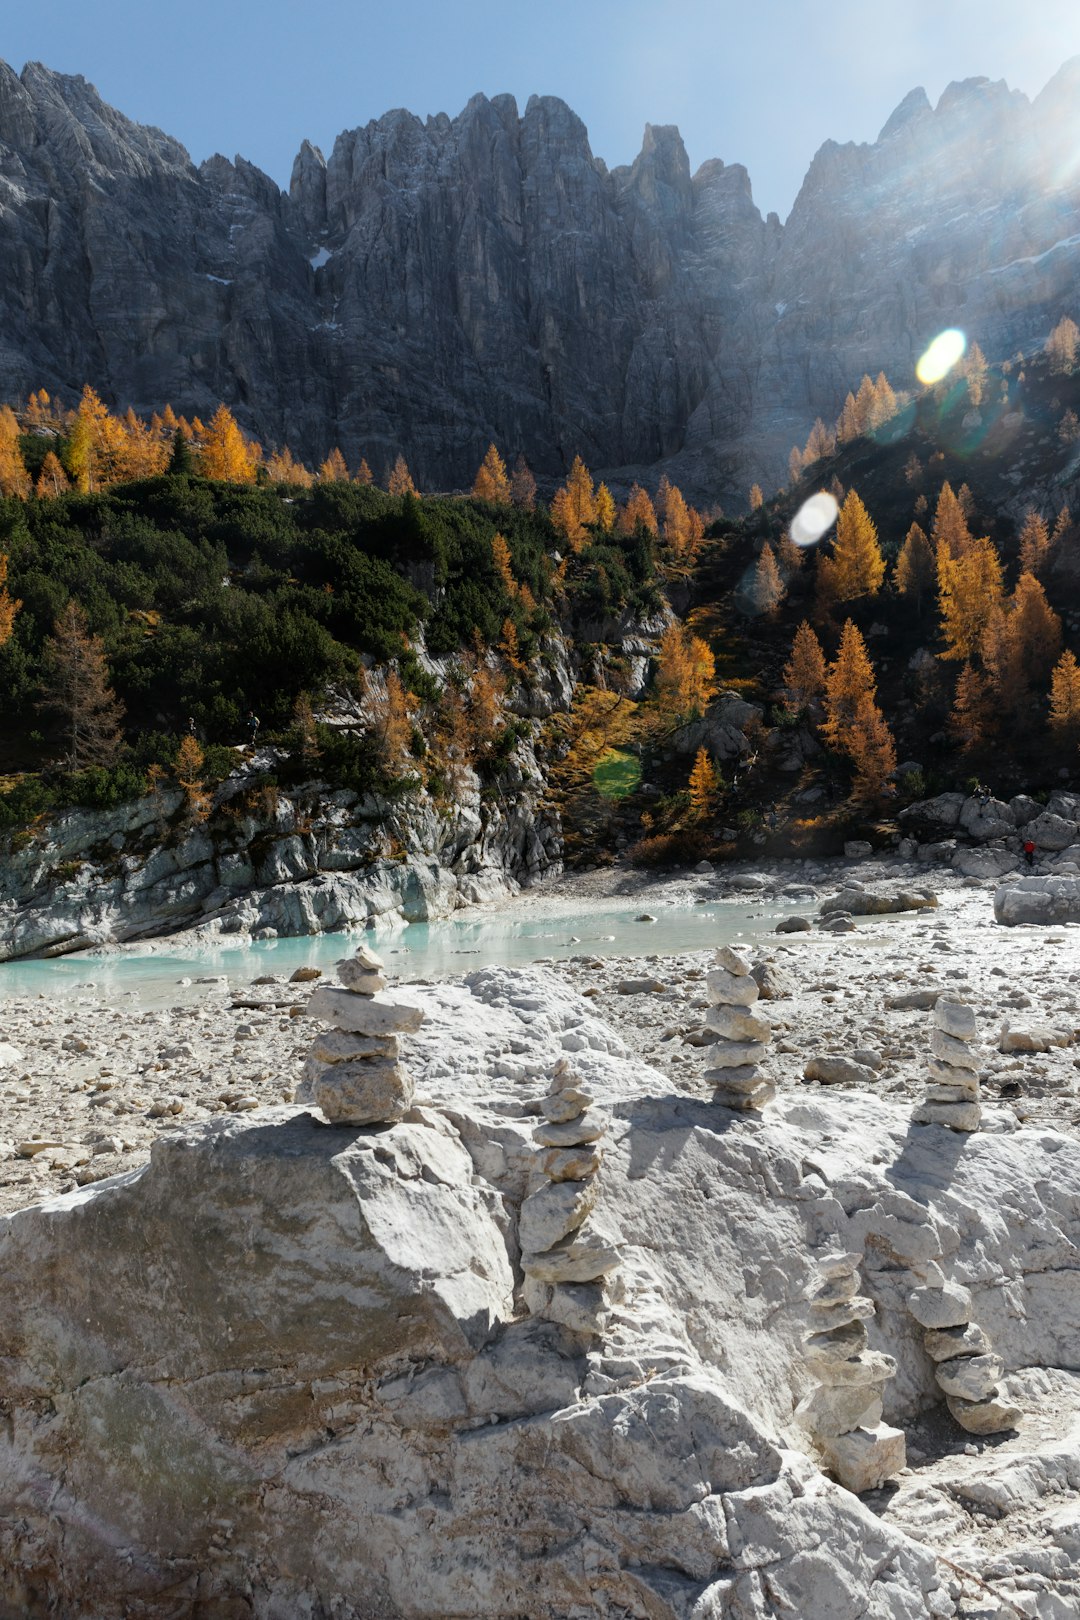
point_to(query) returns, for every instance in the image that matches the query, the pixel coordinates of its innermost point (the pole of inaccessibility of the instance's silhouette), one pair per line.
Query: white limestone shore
(97, 1081)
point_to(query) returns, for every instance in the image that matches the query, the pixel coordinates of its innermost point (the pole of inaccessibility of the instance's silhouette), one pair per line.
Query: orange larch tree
(1065, 701)
(14, 478)
(1034, 543)
(52, 479)
(804, 672)
(400, 481)
(685, 674)
(969, 589)
(767, 588)
(856, 567)
(491, 482)
(9, 605)
(500, 552)
(225, 454)
(639, 509)
(605, 510)
(574, 505)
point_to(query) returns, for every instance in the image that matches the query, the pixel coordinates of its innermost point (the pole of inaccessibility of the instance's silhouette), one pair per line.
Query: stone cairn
(952, 1090)
(354, 1071)
(743, 1034)
(566, 1256)
(965, 1366)
(843, 1415)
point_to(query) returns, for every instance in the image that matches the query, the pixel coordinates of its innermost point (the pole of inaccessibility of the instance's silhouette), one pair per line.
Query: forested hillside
(925, 638)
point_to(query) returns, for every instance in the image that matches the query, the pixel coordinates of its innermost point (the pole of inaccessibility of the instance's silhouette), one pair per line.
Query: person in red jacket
(1029, 852)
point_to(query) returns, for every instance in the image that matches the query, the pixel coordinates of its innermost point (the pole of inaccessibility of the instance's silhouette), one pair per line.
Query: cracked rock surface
(286, 1368)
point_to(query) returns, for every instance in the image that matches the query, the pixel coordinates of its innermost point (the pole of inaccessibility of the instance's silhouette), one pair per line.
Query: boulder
(1038, 900)
(1050, 831)
(1032, 1038)
(374, 1091)
(860, 902)
(731, 989)
(838, 1071)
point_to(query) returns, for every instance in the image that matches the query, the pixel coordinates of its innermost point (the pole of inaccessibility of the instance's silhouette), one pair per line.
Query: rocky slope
(436, 285)
(323, 1390)
(307, 861)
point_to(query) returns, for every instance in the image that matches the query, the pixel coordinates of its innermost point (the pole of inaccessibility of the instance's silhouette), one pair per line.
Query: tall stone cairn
(843, 1415)
(743, 1034)
(965, 1366)
(354, 1071)
(565, 1254)
(952, 1090)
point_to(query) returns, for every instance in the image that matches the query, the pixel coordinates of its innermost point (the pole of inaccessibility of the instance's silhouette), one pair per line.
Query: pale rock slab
(561, 1106)
(871, 1367)
(581, 1257)
(952, 1051)
(837, 1409)
(973, 1378)
(955, 1018)
(731, 989)
(571, 1164)
(967, 1340)
(549, 1214)
(992, 1416)
(737, 1024)
(837, 1071)
(944, 1307)
(957, 1116)
(735, 1054)
(1031, 1038)
(864, 1459)
(570, 1133)
(361, 1014)
(734, 960)
(741, 1096)
(838, 1344)
(344, 1046)
(369, 1093)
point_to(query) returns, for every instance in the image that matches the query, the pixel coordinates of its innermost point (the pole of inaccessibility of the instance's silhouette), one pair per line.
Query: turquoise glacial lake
(516, 935)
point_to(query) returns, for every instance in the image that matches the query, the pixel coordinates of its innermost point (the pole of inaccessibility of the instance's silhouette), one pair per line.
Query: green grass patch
(617, 774)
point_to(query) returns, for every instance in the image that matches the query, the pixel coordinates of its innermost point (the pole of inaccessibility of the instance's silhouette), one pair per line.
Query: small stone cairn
(743, 1034)
(952, 1090)
(566, 1254)
(965, 1367)
(354, 1071)
(843, 1415)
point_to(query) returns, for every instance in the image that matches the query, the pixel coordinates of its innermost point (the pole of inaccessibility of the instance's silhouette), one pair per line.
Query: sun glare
(939, 359)
(814, 518)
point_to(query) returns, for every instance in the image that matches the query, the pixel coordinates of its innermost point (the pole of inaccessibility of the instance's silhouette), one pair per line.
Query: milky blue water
(420, 950)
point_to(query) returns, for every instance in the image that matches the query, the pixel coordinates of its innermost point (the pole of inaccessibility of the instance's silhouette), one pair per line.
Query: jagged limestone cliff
(436, 285)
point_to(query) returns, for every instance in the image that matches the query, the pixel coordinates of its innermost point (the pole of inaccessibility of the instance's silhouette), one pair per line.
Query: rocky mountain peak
(485, 277)
(660, 174)
(915, 105)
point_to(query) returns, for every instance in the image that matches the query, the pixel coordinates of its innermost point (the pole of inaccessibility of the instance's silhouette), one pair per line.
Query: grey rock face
(437, 284)
(1038, 900)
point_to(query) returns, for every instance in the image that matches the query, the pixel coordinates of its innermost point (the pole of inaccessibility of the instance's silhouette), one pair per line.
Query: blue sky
(762, 82)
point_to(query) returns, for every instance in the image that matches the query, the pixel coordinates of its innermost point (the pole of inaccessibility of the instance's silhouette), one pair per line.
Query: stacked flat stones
(565, 1253)
(952, 1091)
(965, 1366)
(354, 1071)
(843, 1415)
(743, 1035)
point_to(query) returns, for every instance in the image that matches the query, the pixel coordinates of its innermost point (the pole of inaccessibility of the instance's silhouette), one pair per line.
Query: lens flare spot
(814, 518)
(947, 348)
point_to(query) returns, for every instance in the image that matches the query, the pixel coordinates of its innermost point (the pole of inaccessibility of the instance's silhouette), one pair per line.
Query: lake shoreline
(99, 1080)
